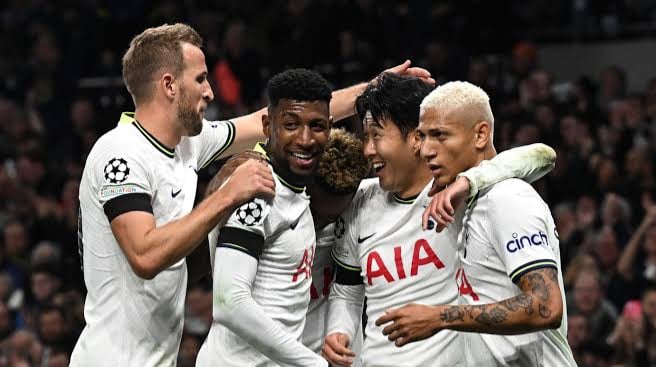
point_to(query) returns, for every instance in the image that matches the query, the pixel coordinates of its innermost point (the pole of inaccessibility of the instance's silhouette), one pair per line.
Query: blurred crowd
(60, 89)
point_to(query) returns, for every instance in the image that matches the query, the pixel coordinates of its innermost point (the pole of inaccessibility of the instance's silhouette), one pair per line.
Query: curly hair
(342, 165)
(298, 84)
(396, 98)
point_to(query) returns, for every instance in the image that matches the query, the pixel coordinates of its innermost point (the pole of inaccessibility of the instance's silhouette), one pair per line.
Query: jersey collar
(408, 200)
(128, 118)
(295, 187)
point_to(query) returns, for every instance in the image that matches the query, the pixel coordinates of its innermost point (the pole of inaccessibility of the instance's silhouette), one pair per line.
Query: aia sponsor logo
(422, 255)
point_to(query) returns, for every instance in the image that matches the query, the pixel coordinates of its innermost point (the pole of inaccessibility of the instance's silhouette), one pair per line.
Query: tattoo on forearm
(523, 301)
(486, 314)
(452, 314)
(539, 285)
(545, 312)
(542, 283)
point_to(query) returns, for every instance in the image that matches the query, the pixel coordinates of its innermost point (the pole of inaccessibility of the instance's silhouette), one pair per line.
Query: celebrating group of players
(299, 238)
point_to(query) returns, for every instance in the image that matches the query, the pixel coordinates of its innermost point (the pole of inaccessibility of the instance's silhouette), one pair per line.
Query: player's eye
(291, 125)
(318, 126)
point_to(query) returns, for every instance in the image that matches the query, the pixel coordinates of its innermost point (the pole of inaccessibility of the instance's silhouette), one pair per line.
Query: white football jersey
(322, 276)
(508, 231)
(133, 321)
(283, 280)
(380, 236)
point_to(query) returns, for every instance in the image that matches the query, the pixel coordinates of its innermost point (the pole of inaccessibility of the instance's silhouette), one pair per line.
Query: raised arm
(249, 127)
(626, 261)
(529, 162)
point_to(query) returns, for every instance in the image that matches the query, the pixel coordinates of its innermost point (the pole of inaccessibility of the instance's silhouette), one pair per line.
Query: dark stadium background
(577, 75)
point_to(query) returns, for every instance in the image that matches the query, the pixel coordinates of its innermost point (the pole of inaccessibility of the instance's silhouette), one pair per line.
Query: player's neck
(158, 122)
(420, 179)
(487, 153)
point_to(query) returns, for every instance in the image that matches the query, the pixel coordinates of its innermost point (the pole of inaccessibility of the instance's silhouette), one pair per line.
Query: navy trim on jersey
(127, 203)
(241, 240)
(401, 200)
(530, 266)
(228, 143)
(153, 140)
(347, 277)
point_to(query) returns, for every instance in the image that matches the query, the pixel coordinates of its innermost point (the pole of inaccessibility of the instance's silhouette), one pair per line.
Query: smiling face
(194, 91)
(297, 132)
(392, 155)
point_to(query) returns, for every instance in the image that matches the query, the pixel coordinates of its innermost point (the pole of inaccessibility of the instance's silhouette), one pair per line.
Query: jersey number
(464, 288)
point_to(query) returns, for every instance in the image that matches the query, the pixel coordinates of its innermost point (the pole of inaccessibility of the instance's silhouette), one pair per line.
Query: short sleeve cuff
(519, 272)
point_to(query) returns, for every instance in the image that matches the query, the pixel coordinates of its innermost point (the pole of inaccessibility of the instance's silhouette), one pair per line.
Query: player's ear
(330, 122)
(266, 125)
(483, 131)
(413, 136)
(169, 85)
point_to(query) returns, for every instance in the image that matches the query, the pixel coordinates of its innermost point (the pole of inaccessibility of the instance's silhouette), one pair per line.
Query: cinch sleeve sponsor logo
(518, 243)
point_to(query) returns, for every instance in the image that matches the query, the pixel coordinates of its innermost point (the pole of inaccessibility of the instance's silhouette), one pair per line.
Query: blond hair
(343, 164)
(465, 98)
(155, 49)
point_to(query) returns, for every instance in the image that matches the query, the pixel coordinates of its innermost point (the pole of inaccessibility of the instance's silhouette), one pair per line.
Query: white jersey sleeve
(244, 230)
(347, 292)
(519, 228)
(123, 180)
(235, 308)
(529, 162)
(214, 139)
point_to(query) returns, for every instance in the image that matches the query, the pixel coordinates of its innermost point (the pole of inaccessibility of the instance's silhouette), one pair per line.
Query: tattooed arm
(538, 307)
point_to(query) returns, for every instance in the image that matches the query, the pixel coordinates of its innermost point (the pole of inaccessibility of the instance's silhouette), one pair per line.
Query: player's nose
(369, 149)
(208, 94)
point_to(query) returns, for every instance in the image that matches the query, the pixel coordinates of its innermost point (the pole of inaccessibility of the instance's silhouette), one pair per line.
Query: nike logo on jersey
(292, 226)
(361, 239)
(175, 193)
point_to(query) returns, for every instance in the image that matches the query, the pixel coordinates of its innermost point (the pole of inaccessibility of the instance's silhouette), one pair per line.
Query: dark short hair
(396, 98)
(298, 84)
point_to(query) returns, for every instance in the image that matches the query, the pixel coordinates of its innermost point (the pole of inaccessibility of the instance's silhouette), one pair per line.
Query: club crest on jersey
(250, 213)
(519, 243)
(116, 170)
(340, 227)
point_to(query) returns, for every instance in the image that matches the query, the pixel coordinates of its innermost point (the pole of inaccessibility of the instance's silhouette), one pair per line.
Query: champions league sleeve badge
(116, 170)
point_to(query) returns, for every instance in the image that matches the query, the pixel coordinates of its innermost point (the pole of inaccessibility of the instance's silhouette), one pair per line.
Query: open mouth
(435, 169)
(304, 159)
(378, 166)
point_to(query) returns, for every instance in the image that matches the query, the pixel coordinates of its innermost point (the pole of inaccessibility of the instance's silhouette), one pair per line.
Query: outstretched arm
(342, 105)
(538, 307)
(529, 162)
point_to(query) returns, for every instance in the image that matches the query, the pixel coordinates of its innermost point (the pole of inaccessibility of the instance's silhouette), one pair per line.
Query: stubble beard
(190, 118)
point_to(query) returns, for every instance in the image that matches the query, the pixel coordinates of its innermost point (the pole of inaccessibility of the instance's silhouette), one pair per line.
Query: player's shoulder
(511, 194)
(120, 139)
(509, 189)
